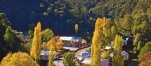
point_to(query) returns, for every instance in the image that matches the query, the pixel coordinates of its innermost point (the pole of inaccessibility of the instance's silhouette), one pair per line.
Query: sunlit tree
(96, 45)
(118, 59)
(76, 28)
(18, 59)
(36, 43)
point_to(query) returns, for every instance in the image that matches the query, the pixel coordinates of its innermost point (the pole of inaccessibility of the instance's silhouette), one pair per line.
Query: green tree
(145, 49)
(9, 35)
(68, 59)
(47, 34)
(118, 59)
(30, 33)
(51, 55)
(36, 43)
(18, 59)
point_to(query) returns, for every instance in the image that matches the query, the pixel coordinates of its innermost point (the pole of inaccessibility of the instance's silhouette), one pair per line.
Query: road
(59, 62)
(81, 51)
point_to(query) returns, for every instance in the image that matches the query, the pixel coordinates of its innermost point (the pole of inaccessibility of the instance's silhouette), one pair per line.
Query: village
(82, 51)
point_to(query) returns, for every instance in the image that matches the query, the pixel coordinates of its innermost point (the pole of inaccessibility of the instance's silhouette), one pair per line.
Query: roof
(85, 54)
(107, 47)
(66, 38)
(44, 52)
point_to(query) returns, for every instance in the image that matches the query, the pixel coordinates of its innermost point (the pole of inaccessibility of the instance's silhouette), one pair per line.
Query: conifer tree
(118, 59)
(36, 43)
(96, 45)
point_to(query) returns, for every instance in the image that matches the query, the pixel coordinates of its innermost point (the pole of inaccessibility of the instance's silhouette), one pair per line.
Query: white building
(71, 41)
(104, 62)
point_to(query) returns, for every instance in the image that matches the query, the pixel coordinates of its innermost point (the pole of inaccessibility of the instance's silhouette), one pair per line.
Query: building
(71, 41)
(104, 62)
(45, 55)
(123, 53)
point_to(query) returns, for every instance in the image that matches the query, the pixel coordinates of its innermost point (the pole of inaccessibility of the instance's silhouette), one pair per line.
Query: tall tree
(118, 59)
(68, 59)
(76, 28)
(51, 55)
(96, 45)
(36, 43)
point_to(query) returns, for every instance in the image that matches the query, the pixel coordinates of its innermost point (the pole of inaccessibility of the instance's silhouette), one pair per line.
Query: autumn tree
(145, 49)
(118, 59)
(56, 42)
(96, 45)
(76, 28)
(18, 59)
(47, 34)
(36, 43)
(51, 55)
(146, 59)
(68, 59)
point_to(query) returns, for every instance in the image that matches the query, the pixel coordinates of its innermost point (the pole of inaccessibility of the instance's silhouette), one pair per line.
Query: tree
(36, 43)
(51, 55)
(47, 34)
(30, 33)
(76, 28)
(114, 31)
(96, 45)
(18, 59)
(68, 59)
(118, 59)
(145, 49)
(9, 35)
(146, 59)
(56, 42)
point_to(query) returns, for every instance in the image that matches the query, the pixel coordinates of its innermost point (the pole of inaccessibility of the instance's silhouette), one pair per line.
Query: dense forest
(120, 17)
(62, 15)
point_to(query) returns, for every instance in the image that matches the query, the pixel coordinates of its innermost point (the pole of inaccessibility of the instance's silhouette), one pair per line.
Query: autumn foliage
(18, 59)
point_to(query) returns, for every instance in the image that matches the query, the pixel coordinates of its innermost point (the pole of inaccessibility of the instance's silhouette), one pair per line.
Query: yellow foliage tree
(76, 28)
(56, 42)
(118, 59)
(36, 43)
(18, 59)
(96, 45)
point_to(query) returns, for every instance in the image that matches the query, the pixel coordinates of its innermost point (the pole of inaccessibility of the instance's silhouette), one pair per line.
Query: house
(123, 53)
(45, 55)
(67, 40)
(104, 62)
(71, 41)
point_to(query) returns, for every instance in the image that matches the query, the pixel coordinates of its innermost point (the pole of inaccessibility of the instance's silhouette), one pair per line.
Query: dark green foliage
(68, 59)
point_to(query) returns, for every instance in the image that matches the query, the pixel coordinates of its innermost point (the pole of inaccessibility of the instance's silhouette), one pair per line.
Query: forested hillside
(129, 16)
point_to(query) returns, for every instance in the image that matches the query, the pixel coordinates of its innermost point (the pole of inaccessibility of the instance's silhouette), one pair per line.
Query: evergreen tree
(36, 43)
(118, 59)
